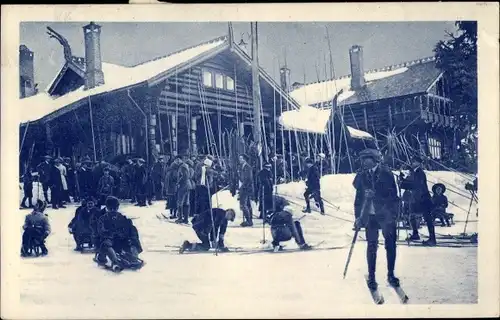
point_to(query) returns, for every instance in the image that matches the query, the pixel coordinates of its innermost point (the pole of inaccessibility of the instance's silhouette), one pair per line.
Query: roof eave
(188, 64)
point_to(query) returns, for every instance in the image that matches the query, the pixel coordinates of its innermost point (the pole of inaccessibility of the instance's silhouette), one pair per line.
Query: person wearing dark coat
(141, 182)
(284, 228)
(265, 182)
(157, 176)
(105, 187)
(56, 186)
(81, 224)
(203, 226)
(313, 187)
(184, 187)
(36, 229)
(171, 186)
(376, 206)
(115, 231)
(27, 188)
(202, 178)
(420, 200)
(246, 190)
(43, 170)
(439, 204)
(85, 179)
(70, 179)
(133, 183)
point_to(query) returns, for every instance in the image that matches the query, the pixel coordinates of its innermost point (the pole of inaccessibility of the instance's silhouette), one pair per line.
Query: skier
(43, 170)
(377, 205)
(283, 228)
(246, 190)
(171, 186)
(420, 200)
(265, 190)
(202, 226)
(36, 230)
(115, 232)
(313, 187)
(440, 203)
(27, 188)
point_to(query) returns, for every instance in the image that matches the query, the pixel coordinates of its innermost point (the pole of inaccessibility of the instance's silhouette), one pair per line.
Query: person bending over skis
(283, 228)
(119, 239)
(202, 225)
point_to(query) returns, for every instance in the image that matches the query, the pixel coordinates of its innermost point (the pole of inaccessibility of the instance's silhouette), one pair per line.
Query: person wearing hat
(56, 185)
(376, 207)
(157, 174)
(171, 186)
(141, 182)
(105, 187)
(420, 200)
(439, 204)
(265, 182)
(116, 235)
(313, 187)
(246, 189)
(64, 194)
(84, 178)
(81, 224)
(36, 229)
(204, 229)
(184, 187)
(43, 170)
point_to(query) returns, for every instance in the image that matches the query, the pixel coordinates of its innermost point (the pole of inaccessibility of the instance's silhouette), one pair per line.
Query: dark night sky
(303, 44)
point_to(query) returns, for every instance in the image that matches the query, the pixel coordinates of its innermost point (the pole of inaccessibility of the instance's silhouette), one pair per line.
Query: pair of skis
(378, 298)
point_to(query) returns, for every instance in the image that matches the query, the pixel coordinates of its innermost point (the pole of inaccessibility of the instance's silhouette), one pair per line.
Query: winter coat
(44, 169)
(55, 178)
(439, 202)
(112, 225)
(313, 178)
(37, 220)
(141, 176)
(385, 200)
(157, 172)
(62, 170)
(171, 179)
(203, 222)
(81, 222)
(85, 180)
(420, 198)
(106, 185)
(184, 178)
(246, 178)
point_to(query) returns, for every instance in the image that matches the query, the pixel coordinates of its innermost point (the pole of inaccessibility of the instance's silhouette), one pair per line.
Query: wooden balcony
(436, 119)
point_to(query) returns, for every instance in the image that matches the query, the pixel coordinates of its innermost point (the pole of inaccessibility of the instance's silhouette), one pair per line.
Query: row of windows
(217, 80)
(434, 148)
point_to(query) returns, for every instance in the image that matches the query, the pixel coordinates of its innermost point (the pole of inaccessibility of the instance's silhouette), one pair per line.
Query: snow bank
(115, 77)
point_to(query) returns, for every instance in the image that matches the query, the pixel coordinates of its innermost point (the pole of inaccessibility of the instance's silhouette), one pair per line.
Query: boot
(44, 250)
(429, 243)
(393, 281)
(30, 202)
(372, 282)
(307, 209)
(305, 246)
(186, 245)
(414, 237)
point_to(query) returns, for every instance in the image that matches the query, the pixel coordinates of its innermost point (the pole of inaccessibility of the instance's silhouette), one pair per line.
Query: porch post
(194, 148)
(173, 133)
(49, 145)
(153, 152)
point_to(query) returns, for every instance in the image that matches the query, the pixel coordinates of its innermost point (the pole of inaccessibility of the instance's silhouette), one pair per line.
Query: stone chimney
(27, 85)
(94, 76)
(285, 79)
(357, 71)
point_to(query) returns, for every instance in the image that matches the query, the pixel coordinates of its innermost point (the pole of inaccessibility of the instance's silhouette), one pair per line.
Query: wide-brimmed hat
(371, 153)
(438, 185)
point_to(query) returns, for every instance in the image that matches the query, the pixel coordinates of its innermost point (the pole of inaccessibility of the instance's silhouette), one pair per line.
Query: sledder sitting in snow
(440, 203)
(81, 224)
(202, 225)
(283, 228)
(36, 230)
(119, 239)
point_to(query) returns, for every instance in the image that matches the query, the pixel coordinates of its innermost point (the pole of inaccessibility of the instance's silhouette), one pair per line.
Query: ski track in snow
(302, 284)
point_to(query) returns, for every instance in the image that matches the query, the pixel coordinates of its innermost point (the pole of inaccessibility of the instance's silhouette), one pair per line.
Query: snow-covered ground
(66, 284)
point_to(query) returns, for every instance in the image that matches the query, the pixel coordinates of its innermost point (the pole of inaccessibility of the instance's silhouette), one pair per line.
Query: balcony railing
(438, 119)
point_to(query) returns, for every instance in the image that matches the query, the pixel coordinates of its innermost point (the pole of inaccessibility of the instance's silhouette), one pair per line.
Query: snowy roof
(306, 118)
(356, 133)
(116, 77)
(399, 80)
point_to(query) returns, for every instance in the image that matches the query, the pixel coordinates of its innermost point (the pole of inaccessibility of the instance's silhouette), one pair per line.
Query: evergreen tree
(457, 58)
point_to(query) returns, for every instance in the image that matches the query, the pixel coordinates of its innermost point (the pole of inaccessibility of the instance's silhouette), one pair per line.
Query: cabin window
(434, 148)
(229, 84)
(219, 81)
(207, 79)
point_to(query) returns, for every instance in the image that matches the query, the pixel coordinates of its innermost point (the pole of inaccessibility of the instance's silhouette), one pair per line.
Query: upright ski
(378, 298)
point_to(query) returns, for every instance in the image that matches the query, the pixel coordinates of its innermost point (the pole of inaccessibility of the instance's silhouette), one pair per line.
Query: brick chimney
(94, 76)
(357, 71)
(285, 79)
(27, 85)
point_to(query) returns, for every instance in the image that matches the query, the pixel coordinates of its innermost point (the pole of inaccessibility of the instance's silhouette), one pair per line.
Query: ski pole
(350, 251)
(468, 212)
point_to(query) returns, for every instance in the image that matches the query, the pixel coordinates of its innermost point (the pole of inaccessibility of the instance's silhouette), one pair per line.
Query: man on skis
(283, 228)
(246, 190)
(420, 200)
(377, 204)
(210, 226)
(313, 188)
(265, 181)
